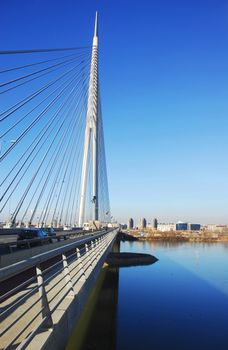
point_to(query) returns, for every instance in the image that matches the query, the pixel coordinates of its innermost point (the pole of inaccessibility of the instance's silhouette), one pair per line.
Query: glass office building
(181, 226)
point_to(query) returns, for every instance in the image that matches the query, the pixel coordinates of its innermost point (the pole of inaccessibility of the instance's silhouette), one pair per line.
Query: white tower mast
(91, 132)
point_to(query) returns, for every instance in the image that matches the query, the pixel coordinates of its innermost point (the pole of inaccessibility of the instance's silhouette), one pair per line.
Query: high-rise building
(154, 224)
(131, 224)
(142, 223)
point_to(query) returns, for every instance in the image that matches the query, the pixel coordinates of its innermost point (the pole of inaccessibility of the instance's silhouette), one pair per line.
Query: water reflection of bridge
(98, 325)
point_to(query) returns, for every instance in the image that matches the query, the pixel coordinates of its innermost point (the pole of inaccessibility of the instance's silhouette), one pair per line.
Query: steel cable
(51, 169)
(28, 98)
(69, 106)
(32, 124)
(74, 77)
(13, 52)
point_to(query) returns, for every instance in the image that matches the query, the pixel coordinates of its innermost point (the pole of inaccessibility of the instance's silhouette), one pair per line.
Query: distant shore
(187, 236)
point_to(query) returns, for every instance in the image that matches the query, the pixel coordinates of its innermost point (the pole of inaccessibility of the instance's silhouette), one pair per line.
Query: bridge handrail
(14, 269)
(48, 291)
(30, 280)
(48, 237)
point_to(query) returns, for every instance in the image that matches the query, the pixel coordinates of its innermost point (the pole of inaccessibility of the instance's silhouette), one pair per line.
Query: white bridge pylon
(91, 135)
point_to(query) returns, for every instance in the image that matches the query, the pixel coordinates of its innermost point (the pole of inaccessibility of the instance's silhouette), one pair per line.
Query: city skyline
(149, 221)
(163, 82)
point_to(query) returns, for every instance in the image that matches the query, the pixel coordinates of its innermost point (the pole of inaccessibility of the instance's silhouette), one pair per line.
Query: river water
(178, 303)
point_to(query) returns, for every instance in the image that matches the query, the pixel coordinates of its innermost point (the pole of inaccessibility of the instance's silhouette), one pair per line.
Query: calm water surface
(180, 302)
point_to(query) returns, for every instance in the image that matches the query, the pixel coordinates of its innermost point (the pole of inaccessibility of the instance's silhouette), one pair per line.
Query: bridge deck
(19, 254)
(27, 314)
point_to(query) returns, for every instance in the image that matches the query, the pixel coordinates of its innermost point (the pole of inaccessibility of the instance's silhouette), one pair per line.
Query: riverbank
(181, 236)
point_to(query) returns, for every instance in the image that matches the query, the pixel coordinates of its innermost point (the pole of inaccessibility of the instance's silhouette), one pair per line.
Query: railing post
(95, 251)
(96, 247)
(92, 253)
(81, 267)
(68, 279)
(88, 260)
(100, 246)
(106, 240)
(46, 313)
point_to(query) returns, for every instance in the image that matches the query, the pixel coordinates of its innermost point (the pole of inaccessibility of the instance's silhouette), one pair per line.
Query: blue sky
(164, 84)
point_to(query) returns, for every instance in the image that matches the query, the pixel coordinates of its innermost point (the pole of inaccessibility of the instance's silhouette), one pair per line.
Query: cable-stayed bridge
(53, 167)
(53, 173)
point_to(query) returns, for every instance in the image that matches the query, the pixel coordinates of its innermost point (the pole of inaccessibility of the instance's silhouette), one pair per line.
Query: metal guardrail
(32, 306)
(12, 270)
(9, 246)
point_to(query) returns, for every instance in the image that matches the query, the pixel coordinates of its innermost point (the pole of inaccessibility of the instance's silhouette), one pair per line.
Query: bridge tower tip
(96, 24)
